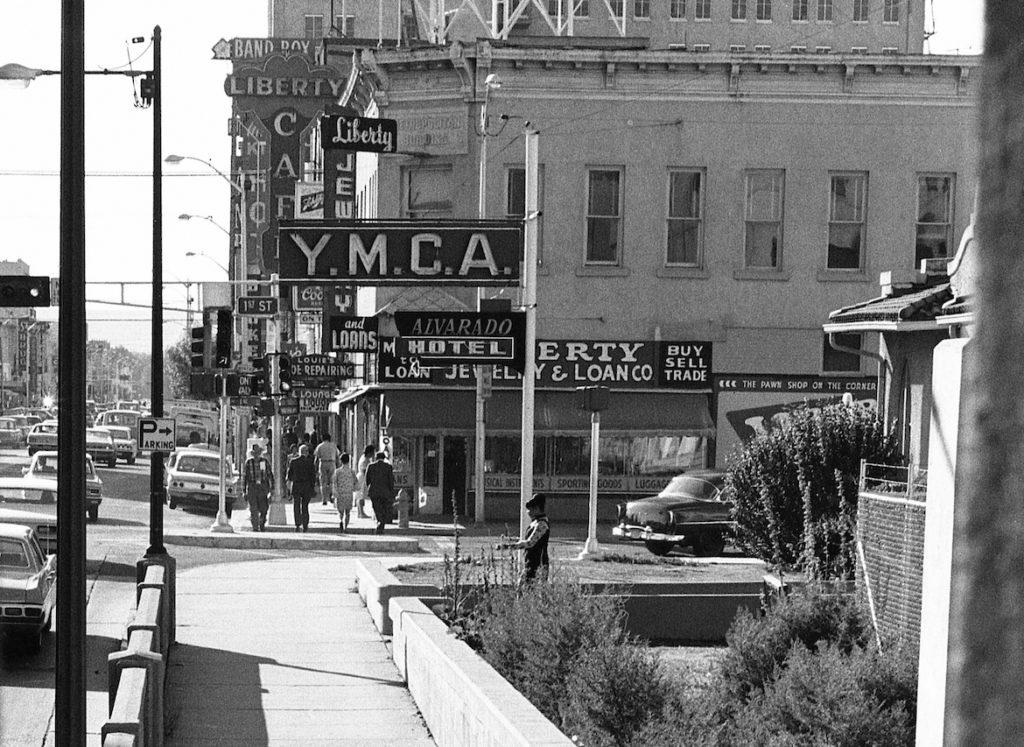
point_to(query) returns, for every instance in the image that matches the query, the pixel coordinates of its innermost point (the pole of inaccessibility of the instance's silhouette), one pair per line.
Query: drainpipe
(884, 369)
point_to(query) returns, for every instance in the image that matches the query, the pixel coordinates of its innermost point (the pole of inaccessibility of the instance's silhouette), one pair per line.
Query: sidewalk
(282, 652)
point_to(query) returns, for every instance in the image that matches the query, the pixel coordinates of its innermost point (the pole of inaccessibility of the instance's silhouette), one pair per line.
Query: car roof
(53, 453)
(14, 531)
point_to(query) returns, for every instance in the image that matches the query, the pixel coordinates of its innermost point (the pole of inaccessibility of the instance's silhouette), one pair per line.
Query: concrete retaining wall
(462, 699)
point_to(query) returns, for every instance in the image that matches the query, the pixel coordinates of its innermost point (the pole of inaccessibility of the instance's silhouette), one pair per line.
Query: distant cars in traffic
(44, 466)
(44, 525)
(28, 586)
(126, 446)
(42, 436)
(193, 477)
(692, 510)
(99, 444)
(11, 434)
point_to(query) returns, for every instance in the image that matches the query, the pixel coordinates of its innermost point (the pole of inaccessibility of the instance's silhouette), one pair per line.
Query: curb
(285, 541)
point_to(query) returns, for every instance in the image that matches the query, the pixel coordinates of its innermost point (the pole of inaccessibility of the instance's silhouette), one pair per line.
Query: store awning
(678, 413)
(350, 395)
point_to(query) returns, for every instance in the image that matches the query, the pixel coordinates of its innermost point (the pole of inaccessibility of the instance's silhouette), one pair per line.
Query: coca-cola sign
(307, 297)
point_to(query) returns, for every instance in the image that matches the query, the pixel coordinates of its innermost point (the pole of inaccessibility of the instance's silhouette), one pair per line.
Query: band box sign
(353, 132)
(446, 337)
(351, 334)
(417, 252)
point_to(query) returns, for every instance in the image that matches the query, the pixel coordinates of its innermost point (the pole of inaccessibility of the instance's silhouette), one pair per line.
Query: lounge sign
(475, 338)
(402, 252)
(364, 134)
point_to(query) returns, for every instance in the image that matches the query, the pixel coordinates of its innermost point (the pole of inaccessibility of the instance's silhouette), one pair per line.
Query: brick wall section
(891, 534)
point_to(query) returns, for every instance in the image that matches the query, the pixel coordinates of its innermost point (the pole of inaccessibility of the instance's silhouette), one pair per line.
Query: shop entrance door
(454, 475)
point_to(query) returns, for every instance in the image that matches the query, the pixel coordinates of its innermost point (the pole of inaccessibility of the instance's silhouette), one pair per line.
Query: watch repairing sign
(313, 370)
(445, 337)
(417, 252)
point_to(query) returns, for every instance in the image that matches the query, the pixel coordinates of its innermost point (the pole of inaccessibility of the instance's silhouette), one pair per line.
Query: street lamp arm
(173, 158)
(209, 218)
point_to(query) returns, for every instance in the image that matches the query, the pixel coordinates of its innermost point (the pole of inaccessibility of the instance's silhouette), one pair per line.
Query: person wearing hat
(536, 540)
(380, 488)
(257, 479)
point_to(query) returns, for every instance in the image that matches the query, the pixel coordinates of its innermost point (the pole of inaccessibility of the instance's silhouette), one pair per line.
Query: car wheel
(710, 543)
(172, 504)
(659, 548)
(93, 513)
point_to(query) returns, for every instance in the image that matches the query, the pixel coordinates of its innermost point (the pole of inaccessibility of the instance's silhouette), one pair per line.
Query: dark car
(692, 510)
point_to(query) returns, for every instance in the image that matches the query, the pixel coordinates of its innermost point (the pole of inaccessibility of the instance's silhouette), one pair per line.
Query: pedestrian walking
(257, 479)
(380, 487)
(536, 540)
(301, 477)
(326, 457)
(343, 483)
(360, 495)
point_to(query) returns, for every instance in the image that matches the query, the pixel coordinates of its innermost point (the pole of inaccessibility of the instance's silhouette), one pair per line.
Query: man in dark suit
(301, 478)
(380, 489)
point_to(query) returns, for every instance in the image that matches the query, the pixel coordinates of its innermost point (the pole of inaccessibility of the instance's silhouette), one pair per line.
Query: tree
(178, 368)
(795, 488)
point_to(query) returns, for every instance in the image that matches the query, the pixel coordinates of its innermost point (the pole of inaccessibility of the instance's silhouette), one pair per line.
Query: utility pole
(530, 303)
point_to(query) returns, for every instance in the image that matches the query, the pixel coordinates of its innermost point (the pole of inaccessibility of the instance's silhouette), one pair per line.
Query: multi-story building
(28, 362)
(701, 212)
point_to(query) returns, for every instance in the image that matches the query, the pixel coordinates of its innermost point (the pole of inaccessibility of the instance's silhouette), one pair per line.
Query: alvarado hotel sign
(401, 252)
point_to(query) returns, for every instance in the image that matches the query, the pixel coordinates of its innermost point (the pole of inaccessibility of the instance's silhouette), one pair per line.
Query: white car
(42, 436)
(28, 586)
(126, 446)
(44, 525)
(40, 482)
(193, 477)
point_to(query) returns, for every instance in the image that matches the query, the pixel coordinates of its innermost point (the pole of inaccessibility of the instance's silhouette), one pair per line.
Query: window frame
(825, 11)
(860, 179)
(312, 17)
(590, 171)
(748, 176)
(701, 173)
(642, 10)
(948, 223)
(891, 11)
(673, 7)
(702, 10)
(517, 168)
(406, 207)
(346, 22)
(738, 10)
(583, 8)
(830, 354)
(804, 7)
(861, 11)
(763, 11)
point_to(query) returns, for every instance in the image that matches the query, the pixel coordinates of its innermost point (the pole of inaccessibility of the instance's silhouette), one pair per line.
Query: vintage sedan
(44, 525)
(99, 444)
(44, 466)
(28, 586)
(11, 435)
(125, 444)
(42, 436)
(193, 477)
(692, 510)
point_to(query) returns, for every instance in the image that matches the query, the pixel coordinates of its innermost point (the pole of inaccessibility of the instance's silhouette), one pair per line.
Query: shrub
(759, 646)
(795, 488)
(612, 692)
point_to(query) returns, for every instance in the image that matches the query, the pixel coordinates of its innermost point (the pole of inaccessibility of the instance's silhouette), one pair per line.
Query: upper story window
(581, 8)
(616, 6)
(314, 26)
(842, 361)
(702, 10)
(345, 25)
(800, 10)
(846, 204)
(824, 10)
(934, 216)
(764, 10)
(763, 219)
(860, 11)
(641, 8)
(427, 192)
(677, 9)
(685, 218)
(739, 10)
(515, 201)
(891, 11)
(604, 216)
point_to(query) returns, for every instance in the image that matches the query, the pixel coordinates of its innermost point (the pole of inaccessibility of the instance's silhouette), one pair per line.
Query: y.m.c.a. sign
(402, 252)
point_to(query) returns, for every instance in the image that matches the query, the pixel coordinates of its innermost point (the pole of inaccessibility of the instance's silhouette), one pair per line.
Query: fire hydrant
(403, 503)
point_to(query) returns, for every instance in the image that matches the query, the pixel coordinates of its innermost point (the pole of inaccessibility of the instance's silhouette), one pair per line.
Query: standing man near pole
(257, 482)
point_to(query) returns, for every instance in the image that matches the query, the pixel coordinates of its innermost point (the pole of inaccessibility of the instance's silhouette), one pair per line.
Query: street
(114, 544)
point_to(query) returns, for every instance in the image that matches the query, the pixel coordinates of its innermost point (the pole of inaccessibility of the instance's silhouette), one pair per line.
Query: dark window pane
(602, 239)
(838, 361)
(683, 242)
(762, 244)
(844, 246)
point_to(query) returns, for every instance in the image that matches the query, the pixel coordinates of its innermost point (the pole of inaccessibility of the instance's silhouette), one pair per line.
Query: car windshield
(45, 428)
(8, 425)
(45, 466)
(201, 465)
(12, 554)
(691, 487)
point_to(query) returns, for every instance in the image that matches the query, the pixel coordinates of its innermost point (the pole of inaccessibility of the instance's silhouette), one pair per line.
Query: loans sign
(402, 252)
(446, 337)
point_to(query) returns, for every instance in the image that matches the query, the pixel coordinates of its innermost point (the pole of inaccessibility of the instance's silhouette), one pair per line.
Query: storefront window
(502, 455)
(401, 453)
(612, 457)
(665, 454)
(430, 461)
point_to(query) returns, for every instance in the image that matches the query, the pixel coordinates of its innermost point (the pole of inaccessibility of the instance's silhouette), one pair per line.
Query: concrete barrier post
(141, 654)
(148, 616)
(170, 567)
(128, 709)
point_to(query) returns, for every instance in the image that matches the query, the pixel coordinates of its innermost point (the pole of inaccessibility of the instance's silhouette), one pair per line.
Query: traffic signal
(199, 338)
(24, 290)
(258, 378)
(222, 344)
(226, 385)
(284, 373)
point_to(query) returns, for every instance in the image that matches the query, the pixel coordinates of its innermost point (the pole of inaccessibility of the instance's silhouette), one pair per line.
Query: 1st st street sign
(401, 252)
(257, 305)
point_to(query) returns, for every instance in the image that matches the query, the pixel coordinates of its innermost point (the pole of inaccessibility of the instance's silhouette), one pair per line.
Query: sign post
(222, 524)
(594, 399)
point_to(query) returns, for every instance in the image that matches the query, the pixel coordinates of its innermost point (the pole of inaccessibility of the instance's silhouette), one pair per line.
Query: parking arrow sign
(156, 434)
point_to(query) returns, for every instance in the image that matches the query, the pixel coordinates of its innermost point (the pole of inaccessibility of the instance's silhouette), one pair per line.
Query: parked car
(42, 474)
(126, 446)
(693, 509)
(99, 444)
(11, 436)
(44, 525)
(42, 436)
(193, 477)
(28, 586)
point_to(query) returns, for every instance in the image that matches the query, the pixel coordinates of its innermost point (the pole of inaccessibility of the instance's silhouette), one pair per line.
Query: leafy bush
(795, 488)
(759, 646)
